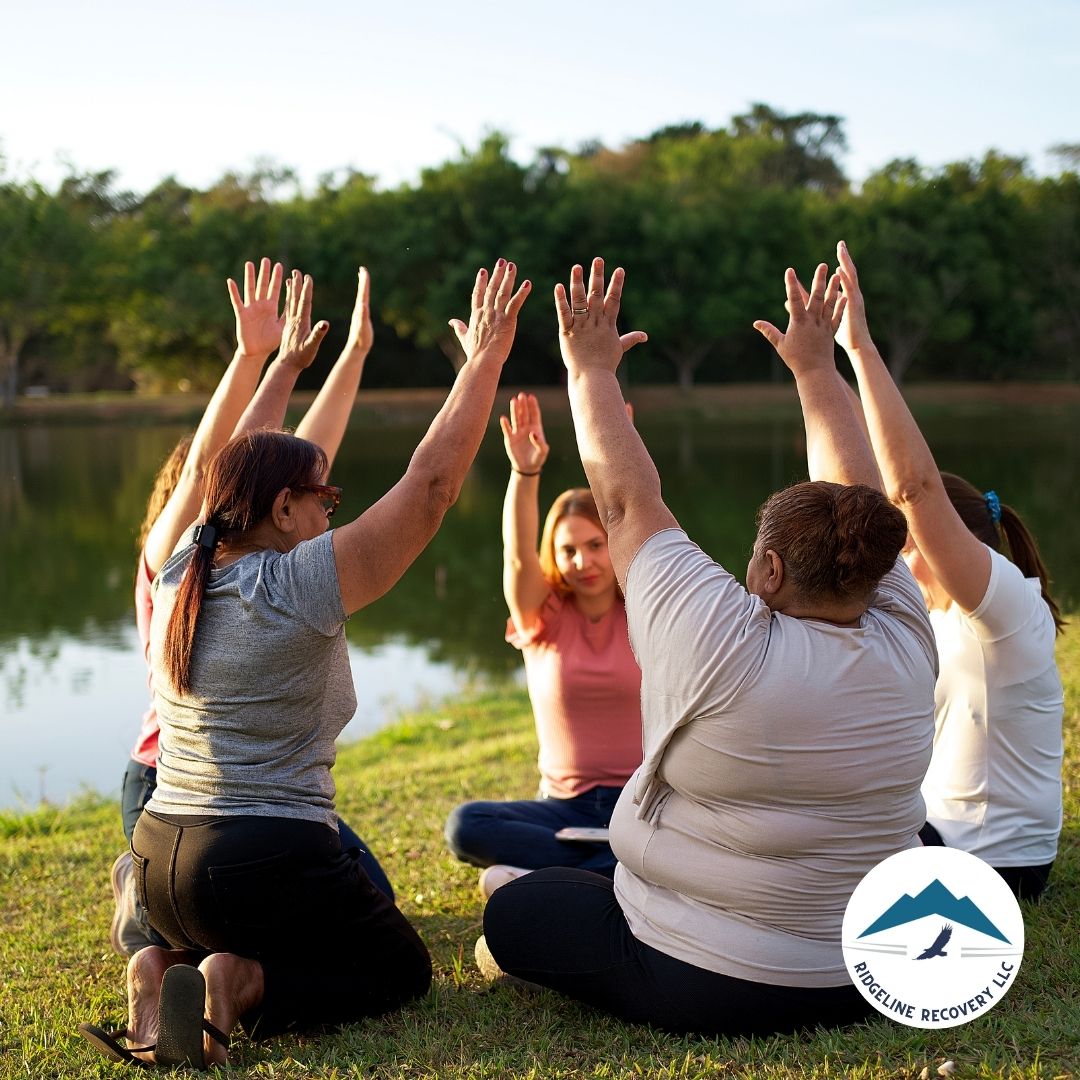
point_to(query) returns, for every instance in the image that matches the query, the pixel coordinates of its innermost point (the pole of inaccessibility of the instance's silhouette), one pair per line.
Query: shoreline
(405, 406)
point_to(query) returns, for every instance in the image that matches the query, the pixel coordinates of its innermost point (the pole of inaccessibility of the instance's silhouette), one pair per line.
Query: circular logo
(933, 937)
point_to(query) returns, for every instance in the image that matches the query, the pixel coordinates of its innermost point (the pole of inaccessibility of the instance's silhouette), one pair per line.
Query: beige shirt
(783, 759)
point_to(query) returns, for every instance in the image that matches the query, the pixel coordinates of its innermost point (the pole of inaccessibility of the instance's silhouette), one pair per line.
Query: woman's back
(271, 688)
(783, 761)
(994, 785)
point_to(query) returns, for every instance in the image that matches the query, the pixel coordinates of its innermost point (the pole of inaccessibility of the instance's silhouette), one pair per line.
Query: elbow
(613, 515)
(441, 493)
(910, 493)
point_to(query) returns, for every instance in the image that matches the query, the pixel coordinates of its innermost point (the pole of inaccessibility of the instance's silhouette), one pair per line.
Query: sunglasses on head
(328, 494)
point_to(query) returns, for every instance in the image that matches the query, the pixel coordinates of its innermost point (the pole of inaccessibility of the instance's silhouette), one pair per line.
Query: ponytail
(180, 633)
(990, 520)
(242, 480)
(1025, 554)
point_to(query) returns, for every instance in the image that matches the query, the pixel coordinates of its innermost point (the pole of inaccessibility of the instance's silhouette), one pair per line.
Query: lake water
(72, 682)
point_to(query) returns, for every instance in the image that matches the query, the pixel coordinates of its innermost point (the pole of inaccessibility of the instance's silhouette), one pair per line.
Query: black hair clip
(205, 536)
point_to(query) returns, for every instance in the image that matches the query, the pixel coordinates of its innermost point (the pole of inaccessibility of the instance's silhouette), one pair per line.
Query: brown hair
(168, 476)
(242, 481)
(577, 502)
(974, 510)
(836, 541)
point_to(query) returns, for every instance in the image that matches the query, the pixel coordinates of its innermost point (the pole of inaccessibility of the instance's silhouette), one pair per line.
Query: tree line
(971, 270)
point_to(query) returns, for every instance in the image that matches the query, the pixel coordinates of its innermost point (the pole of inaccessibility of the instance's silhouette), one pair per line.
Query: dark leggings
(1026, 882)
(564, 929)
(333, 948)
(140, 781)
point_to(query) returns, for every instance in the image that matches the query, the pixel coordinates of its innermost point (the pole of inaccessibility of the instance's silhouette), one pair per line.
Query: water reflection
(72, 687)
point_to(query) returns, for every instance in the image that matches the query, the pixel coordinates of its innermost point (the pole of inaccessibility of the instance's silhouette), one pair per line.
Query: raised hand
(523, 435)
(813, 320)
(361, 334)
(493, 320)
(588, 336)
(299, 340)
(258, 324)
(853, 332)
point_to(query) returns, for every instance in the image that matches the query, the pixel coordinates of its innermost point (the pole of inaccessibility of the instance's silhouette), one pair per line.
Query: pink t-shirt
(585, 688)
(146, 745)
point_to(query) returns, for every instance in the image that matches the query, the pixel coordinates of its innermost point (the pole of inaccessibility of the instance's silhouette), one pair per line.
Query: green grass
(396, 788)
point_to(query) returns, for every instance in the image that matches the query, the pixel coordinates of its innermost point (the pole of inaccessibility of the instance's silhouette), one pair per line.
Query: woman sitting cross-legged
(568, 619)
(238, 860)
(787, 725)
(994, 783)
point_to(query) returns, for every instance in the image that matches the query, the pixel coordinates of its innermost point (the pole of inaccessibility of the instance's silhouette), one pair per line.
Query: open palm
(258, 322)
(523, 434)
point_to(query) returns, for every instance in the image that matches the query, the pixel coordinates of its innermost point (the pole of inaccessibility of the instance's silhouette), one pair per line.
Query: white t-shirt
(994, 783)
(783, 759)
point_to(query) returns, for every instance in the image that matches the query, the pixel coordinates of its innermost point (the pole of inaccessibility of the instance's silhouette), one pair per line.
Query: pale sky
(196, 88)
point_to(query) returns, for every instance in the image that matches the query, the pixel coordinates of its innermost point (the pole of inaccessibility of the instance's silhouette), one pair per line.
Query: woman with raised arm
(787, 725)
(568, 619)
(173, 505)
(994, 783)
(237, 855)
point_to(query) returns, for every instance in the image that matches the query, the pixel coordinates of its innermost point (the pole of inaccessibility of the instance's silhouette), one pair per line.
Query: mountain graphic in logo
(935, 899)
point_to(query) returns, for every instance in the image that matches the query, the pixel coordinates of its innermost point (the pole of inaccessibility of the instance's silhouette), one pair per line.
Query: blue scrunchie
(993, 504)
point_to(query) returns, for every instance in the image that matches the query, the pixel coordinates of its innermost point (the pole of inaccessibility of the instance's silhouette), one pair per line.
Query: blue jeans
(139, 783)
(522, 833)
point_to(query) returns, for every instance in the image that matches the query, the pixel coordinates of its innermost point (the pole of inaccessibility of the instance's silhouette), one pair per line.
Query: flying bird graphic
(938, 947)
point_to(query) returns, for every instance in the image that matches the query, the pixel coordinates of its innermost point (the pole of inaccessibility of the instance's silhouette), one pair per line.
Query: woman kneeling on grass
(237, 857)
(787, 725)
(567, 617)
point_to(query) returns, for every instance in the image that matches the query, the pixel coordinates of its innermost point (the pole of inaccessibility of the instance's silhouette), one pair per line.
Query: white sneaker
(495, 877)
(126, 934)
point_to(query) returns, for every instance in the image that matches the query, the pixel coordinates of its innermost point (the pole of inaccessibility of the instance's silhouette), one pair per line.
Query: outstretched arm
(524, 585)
(258, 331)
(325, 421)
(299, 344)
(373, 551)
(622, 476)
(836, 446)
(959, 561)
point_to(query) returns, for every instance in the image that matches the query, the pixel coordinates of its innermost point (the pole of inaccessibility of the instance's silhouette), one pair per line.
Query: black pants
(333, 948)
(564, 929)
(1026, 882)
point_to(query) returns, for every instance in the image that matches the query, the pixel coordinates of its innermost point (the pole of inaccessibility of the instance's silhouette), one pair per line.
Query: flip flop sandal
(180, 1018)
(105, 1043)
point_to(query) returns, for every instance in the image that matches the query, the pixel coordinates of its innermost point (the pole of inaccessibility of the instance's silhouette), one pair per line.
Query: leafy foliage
(970, 269)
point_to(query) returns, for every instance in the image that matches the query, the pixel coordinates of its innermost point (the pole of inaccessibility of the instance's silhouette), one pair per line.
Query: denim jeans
(522, 833)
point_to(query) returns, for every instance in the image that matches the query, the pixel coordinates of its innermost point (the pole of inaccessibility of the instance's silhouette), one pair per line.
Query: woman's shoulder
(543, 626)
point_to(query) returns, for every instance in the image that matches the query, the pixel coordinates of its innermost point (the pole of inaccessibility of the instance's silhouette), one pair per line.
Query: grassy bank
(396, 789)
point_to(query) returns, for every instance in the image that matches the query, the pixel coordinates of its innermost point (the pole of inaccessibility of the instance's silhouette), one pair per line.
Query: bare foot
(145, 971)
(234, 985)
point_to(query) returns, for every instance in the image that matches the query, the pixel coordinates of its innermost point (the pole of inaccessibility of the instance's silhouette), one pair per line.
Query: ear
(774, 579)
(282, 513)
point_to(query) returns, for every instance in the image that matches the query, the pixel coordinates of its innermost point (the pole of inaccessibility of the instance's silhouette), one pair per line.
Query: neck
(595, 607)
(838, 612)
(260, 538)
